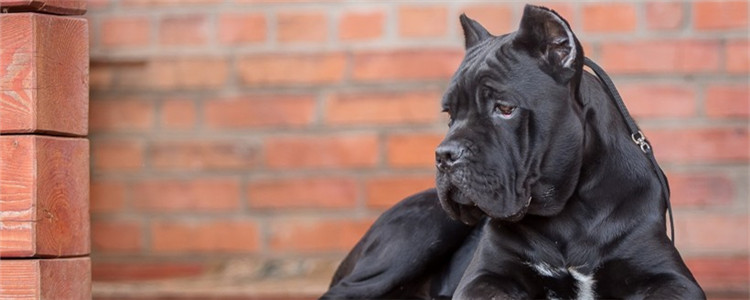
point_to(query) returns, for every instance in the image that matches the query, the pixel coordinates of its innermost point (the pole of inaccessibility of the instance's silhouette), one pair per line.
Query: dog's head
(515, 138)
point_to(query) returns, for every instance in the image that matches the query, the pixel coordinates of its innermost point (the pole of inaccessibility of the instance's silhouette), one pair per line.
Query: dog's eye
(504, 109)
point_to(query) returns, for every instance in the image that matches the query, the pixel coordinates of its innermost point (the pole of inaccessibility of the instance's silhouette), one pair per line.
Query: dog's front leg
(496, 272)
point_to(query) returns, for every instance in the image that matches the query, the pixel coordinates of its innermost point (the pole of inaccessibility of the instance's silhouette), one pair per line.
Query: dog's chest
(565, 282)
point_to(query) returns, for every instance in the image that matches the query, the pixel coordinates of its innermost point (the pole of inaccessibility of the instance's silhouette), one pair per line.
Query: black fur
(407, 253)
(539, 161)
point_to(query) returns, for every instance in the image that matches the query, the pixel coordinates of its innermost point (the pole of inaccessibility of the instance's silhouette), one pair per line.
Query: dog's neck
(610, 156)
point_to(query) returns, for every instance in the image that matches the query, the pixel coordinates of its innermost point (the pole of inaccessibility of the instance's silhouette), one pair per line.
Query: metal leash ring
(640, 140)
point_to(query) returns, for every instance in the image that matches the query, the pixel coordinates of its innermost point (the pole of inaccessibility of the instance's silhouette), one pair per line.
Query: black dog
(554, 198)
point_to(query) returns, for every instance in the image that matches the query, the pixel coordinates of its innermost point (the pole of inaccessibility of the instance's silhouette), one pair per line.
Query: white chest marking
(584, 283)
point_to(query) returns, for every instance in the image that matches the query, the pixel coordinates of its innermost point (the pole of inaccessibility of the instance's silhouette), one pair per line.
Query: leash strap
(635, 134)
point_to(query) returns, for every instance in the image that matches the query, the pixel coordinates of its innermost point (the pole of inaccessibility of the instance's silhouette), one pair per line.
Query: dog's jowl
(540, 191)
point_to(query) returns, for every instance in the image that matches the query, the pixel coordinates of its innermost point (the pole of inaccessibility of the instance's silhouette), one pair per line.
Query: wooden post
(44, 152)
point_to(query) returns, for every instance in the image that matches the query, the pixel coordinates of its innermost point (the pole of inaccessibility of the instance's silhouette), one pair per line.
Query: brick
(44, 74)
(678, 56)
(719, 15)
(384, 192)
(302, 27)
(700, 145)
(303, 193)
(292, 69)
(383, 108)
(117, 155)
(315, 235)
(659, 100)
(699, 189)
(321, 152)
(728, 101)
(697, 56)
(213, 154)
(205, 236)
(405, 65)
(240, 28)
(664, 15)
(121, 115)
(183, 30)
(189, 73)
(107, 196)
(738, 56)
(125, 32)
(116, 236)
(712, 232)
(422, 21)
(721, 274)
(197, 195)
(178, 114)
(413, 150)
(609, 17)
(359, 25)
(260, 111)
(496, 18)
(128, 270)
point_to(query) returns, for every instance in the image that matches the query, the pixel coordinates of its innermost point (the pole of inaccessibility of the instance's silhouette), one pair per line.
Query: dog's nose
(447, 155)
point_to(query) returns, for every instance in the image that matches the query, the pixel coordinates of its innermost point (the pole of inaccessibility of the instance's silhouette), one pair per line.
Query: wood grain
(44, 194)
(44, 70)
(61, 278)
(60, 7)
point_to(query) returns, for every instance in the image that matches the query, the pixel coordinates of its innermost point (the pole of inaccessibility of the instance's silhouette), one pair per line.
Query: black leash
(635, 134)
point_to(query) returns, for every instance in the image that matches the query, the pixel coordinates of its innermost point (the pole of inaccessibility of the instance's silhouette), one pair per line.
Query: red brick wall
(266, 129)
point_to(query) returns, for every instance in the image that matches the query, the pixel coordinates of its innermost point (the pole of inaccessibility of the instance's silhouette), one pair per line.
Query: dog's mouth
(469, 212)
(519, 214)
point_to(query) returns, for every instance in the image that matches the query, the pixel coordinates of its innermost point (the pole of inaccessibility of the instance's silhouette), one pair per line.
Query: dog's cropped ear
(473, 31)
(547, 36)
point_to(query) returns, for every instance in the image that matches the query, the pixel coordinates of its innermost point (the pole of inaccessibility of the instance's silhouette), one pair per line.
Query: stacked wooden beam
(44, 152)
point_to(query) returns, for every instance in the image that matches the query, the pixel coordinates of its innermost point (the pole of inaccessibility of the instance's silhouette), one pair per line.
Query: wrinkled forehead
(494, 59)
